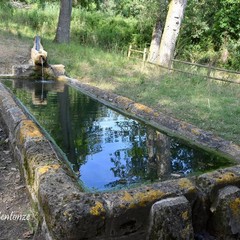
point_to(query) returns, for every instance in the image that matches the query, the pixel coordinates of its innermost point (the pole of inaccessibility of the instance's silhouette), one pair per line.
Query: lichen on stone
(30, 176)
(98, 209)
(46, 168)
(141, 198)
(227, 177)
(143, 109)
(29, 129)
(68, 215)
(185, 215)
(185, 232)
(195, 131)
(127, 197)
(235, 206)
(186, 184)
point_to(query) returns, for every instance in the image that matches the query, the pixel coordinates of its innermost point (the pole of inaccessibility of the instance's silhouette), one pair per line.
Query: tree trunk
(64, 21)
(171, 31)
(159, 155)
(155, 43)
(66, 128)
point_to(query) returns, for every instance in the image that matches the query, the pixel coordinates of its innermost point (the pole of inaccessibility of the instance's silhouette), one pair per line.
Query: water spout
(38, 54)
(42, 67)
(42, 95)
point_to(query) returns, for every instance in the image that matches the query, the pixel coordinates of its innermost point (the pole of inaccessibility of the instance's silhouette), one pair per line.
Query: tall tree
(64, 21)
(155, 43)
(171, 31)
(159, 12)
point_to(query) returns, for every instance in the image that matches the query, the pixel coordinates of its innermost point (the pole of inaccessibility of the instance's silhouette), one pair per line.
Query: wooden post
(170, 64)
(129, 50)
(144, 54)
(209, 69)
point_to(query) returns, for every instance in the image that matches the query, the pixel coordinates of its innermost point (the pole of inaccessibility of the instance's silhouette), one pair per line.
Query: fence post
(129, 50)
(170, 64)
(144, 54)
(209, 69)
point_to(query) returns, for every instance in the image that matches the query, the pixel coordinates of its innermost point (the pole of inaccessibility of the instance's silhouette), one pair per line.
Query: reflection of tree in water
(153, 155)
(147, 155)
(186, 160)
(129, 166)
(182, 158)
(77, 117)
(126, 131)
(147, 159)
(159, 165)
(94, 135)
(129, 163)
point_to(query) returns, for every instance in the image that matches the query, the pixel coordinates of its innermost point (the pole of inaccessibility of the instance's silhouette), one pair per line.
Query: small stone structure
(34, 68)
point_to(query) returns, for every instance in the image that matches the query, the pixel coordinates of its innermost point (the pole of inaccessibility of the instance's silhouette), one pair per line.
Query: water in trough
(106, 149)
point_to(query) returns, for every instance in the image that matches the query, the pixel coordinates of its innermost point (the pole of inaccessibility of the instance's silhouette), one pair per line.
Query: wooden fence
(144, 53)
(207, 71)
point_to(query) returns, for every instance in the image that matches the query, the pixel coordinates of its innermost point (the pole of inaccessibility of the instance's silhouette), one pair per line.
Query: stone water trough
(185, 208)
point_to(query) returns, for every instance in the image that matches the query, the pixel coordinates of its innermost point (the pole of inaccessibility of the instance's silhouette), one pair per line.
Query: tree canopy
(210, 28)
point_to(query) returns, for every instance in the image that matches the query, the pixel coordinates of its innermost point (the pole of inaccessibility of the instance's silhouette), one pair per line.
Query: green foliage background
(210, 30)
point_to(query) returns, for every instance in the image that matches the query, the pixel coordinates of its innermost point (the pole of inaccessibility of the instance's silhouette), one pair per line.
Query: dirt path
(17, 218)
(12, 52)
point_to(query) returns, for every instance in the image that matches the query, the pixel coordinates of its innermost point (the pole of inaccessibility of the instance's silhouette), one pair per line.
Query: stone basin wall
(177, 209)
(30, 71)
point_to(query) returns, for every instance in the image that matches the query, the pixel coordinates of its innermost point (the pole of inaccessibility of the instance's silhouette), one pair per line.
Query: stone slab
(225, 219)
(171, 218)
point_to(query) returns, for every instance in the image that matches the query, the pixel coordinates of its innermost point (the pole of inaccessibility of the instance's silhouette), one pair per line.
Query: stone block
(26, 71)
(171, 219)
(225, 220)
(55, 71)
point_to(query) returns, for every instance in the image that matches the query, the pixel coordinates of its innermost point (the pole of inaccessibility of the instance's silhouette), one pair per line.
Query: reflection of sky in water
(181, 163)
(114, 140)
(108, 149)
